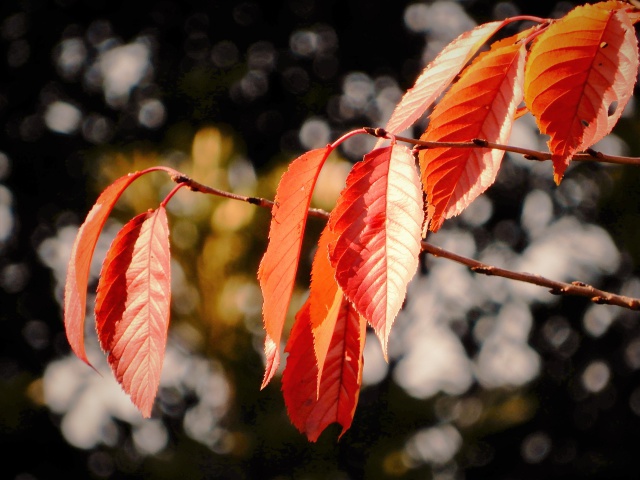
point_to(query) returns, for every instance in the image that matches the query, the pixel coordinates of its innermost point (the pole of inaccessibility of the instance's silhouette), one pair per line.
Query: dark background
(52, 179)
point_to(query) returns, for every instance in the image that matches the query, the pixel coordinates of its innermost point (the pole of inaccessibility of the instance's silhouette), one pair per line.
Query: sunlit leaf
(482, 104)
(579, 77)
(75, 292)
(277, 272)
(436, 76)
(378, 221)
(311, 407)
(132, 305)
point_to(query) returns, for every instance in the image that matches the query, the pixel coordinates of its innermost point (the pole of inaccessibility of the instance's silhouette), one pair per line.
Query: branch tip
(376, 131)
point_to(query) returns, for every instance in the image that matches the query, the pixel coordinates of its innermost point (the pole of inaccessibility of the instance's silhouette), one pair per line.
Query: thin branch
(590, 155)
(557, 288)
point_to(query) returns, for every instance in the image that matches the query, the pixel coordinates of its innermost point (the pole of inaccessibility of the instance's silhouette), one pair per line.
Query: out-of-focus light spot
(330, 183)
(442, 21)
(537, 212)
(535, 447)
(435, 361)
(435, 445)
(253, 85)
(71, 56)
(261, 56)
(304, 43)
(97, 129)
(375, 367)
(5, 166)
(416, 17)
(556, 331)
(598, 318)
(358, 89)
(62, 117)
(632, 354)
(356, 147)
(232, 215)
(612, 145)
(14, 277)
(150, 437)
(566, 250)
(151, 113)
(596, 376)
(36, 333)
(504, 10)
(479, 212)
(241, 175)
(505, 358)
(224, 54)
(122, 68)
(315, 133)
(184, 234)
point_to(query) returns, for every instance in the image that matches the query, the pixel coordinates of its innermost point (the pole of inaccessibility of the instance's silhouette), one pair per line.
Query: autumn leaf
(325, 299)
(378, 221)
(579, 77)
(277, 272)
(482, 104)
(436, 76)
(75, 292)
(311, 407)
(132, 305)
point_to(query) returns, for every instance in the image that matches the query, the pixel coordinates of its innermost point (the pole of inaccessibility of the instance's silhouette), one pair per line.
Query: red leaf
(277, 272)
(132, 305)
(325, 299)
(482, 104)
(378, 220)
(437, 75)
(312, 409)
(582, 67)
(75, 292)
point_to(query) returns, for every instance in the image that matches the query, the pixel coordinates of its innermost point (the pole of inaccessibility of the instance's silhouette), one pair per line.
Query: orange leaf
(277, 272)
(378, 220)
(437, 75)
(482, 104)
(579, 77)
(132, 305)
(312, 408)
(325, 299)
(75, 291)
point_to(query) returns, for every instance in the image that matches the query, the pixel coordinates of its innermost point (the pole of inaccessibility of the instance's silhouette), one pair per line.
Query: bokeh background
(487, 378)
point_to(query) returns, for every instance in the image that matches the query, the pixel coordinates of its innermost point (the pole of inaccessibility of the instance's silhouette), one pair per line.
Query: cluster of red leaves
(575, 75)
